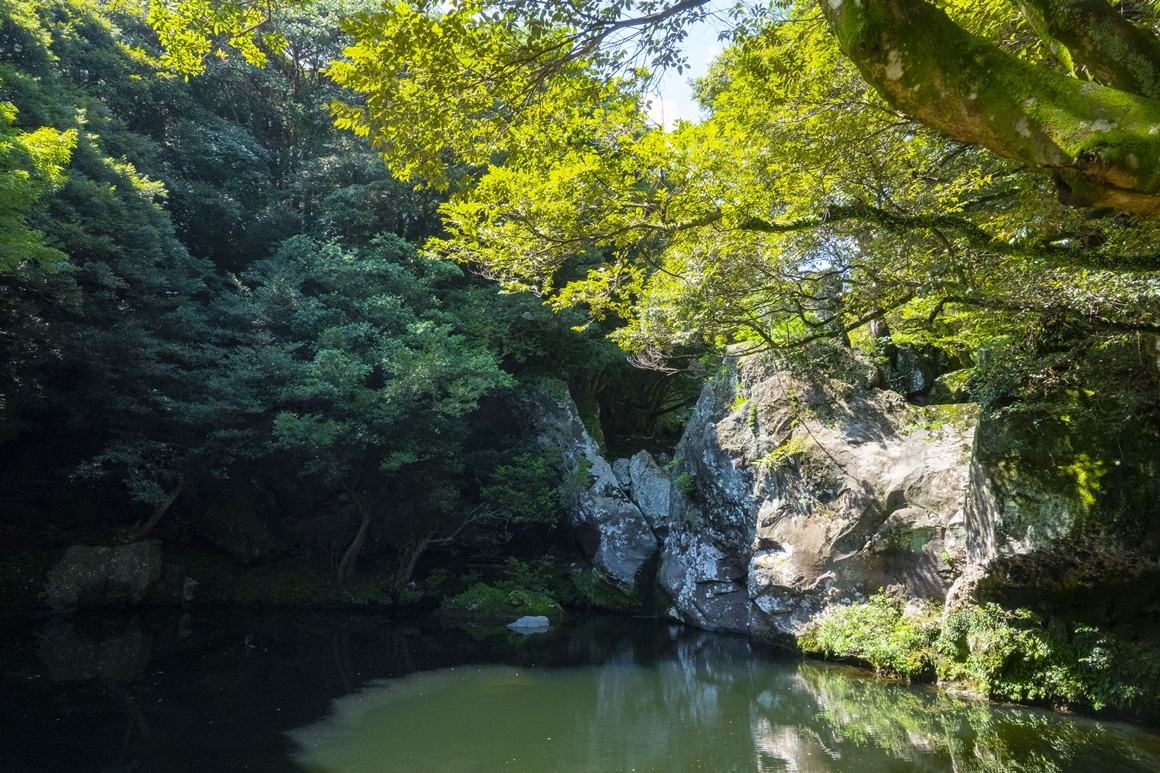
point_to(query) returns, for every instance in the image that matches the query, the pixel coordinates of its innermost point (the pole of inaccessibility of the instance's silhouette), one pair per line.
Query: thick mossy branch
(969, 232)
(1102, 144)
(1115, 52)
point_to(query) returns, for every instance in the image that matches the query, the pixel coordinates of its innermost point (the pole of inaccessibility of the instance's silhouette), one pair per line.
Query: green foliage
(542, 575)
(793, 447)
(416, 67)
(1011, 655)
(598, 592)
(736, 230)
(482, 600)
(31, 164)
(576, 481)
(192, 30)
(244, 299)
(876, 633)
(686, 484)
(525, 489)
(1087, 473)
(1001, 654)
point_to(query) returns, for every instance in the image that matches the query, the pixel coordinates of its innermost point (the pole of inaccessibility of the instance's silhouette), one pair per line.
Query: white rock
(528, 622)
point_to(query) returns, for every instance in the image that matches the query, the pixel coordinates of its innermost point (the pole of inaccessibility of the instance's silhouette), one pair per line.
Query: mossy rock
(602, 594)
(484, 602)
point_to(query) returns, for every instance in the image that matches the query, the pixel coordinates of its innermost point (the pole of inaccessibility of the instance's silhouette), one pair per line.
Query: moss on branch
(1098, 38)
(1101, 144)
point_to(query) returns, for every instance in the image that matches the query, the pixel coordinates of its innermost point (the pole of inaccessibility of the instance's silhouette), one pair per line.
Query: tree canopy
(973, 156)
(206, 288)
(206, 278)
(1064, 86)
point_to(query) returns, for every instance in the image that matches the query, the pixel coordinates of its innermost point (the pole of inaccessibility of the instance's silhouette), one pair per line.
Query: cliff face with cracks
(790, 493)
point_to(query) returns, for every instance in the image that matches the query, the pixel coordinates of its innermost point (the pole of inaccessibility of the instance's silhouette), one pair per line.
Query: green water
(292, 691)
(713, 705)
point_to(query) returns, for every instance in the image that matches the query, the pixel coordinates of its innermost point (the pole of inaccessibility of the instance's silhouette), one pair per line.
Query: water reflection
(970, 736)
(219, 692)
(710, 705)
(116, 649)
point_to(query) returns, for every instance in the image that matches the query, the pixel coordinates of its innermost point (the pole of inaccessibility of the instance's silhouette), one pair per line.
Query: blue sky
(674, 99)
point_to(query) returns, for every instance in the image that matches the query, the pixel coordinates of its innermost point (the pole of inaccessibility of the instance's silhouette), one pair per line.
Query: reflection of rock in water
(711, 705)
(704, 686)
(117, 649)
(683, 714)
(791, 749)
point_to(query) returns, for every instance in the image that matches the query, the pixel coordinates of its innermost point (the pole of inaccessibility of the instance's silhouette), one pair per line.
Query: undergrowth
(487, 601)
(990, 651)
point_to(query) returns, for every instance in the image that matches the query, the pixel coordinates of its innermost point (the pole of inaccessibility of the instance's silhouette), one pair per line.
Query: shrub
(875, 633)
(485, 601)
(686, 485)
(1001, 654)
(600, 593)
(1010, 655)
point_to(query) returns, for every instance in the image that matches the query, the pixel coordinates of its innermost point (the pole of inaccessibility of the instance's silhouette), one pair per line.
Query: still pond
(360, 694)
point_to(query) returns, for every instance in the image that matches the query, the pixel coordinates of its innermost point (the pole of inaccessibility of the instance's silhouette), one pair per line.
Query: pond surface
(357, 693)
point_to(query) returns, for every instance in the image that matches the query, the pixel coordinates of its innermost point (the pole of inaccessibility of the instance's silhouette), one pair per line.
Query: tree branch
(1113, 50)
(966, 229)
(1101, 145)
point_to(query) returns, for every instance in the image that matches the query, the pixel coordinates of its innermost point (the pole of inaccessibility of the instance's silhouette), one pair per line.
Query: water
(358, 694)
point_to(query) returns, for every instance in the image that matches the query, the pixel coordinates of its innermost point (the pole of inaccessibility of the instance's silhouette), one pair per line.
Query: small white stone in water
(530, 621)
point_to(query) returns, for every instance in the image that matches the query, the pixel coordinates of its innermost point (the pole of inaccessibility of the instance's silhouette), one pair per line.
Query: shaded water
(337, 693)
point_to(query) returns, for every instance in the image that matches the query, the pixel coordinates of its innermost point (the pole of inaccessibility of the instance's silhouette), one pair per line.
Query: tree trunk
(412, 559)
(1101, 145)
(159, 510)
(346, 565)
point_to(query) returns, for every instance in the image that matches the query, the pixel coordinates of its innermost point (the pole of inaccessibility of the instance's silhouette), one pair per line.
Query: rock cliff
(790, 492)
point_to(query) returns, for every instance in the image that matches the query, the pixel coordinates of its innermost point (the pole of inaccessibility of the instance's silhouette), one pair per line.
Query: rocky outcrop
(784, 494)
(613, 531)
(809, 491)
(790, 492)
(104, 576)
(1062, 519)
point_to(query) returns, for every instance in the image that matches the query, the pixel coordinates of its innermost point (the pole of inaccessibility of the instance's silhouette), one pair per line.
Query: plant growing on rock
(985, 649)
(482, 600)
(875, 632)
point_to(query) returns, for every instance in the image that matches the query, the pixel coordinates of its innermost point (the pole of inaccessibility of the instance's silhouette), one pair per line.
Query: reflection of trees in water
(791, 749)
(696, 701)
(656, 698)
(935, 731)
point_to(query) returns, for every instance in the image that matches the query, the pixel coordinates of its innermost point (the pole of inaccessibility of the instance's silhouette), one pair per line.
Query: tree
(382, 380)
(1076, 100)
(843, 175)
(130, 359)
(30, 165)
(819, 195)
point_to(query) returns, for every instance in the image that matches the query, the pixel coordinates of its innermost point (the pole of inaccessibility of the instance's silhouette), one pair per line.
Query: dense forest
(213, 301)
(289, 290)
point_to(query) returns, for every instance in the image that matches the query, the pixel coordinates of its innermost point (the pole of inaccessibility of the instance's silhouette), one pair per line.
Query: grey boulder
(89, 577)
